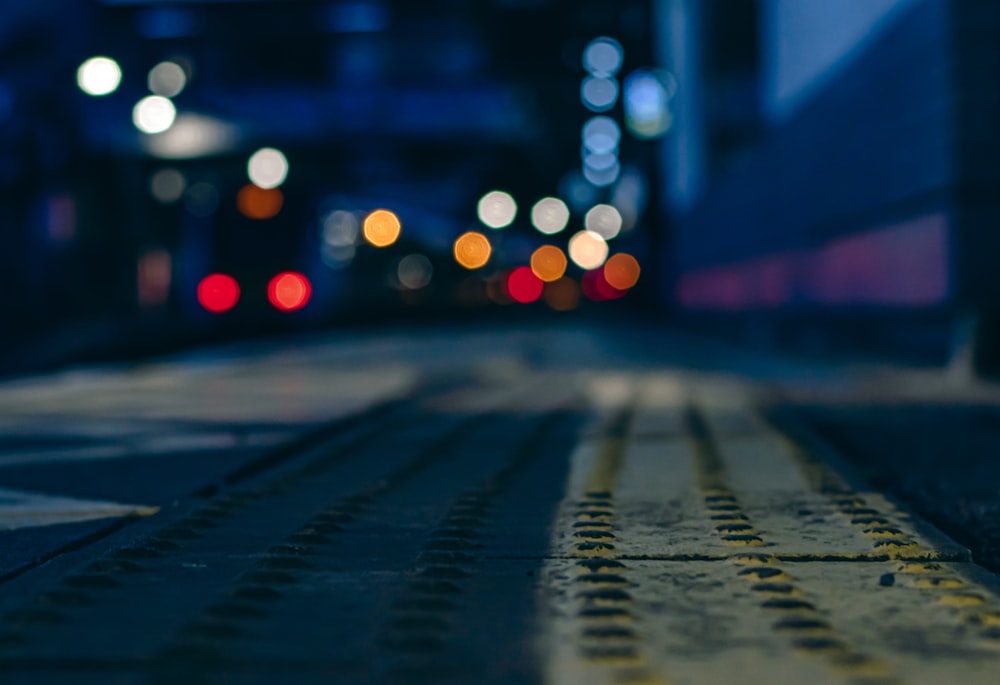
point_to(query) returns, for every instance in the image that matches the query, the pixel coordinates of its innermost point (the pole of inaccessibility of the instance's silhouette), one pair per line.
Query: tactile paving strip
(739, 555)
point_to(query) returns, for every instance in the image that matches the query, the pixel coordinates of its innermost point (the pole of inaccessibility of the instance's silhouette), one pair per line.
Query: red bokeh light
(524, 286)
(289, 291)
(218, 293)
(596, 287)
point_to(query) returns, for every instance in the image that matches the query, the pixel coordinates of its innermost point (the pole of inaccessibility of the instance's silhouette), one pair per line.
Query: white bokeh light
(267, 168)
(549, 215)
(588, 250)
(604, 220)
(603, 56)
(99, 76)
(497, 209)
(154, 114)
(167, 79)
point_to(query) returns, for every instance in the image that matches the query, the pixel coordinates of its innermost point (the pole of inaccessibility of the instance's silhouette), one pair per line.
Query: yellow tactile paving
(714, 549)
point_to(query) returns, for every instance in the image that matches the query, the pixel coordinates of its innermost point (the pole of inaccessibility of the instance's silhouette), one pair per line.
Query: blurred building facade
(833, 158)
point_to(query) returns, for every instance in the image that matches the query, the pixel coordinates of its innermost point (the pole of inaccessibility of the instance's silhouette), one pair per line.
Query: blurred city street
(569, 342)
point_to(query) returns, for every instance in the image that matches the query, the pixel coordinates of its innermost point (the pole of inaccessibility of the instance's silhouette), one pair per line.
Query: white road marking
(20, 509)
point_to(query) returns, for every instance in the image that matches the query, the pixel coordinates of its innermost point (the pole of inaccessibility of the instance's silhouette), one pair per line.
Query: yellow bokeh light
(381, 228)
(621, 271)
(472, 250)
(549, 263)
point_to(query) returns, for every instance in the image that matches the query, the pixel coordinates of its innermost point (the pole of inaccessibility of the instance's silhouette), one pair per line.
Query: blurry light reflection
(549, 215)
(154, 114)
(167, 79)
(604, 220)
(602, 177)
(524, 286)
(414, 271)
(218, 293)
(155, 270)
(562, 295)
(341, 228)
(381, 228)
(99, 76)
(497, 209)
(548, 263)
(597, 288)
(472, 250)
(621, 271)
(603, 56)
(289, 291)
(190, 136)
(259, 203)
(599, 94)
(167, 185)
(267, 168)
(647, 102)
(588, 250)
(601, 135)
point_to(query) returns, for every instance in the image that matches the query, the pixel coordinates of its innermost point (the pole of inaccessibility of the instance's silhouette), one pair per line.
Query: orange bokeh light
(621, 271)
(472, 250)
(548, 263)
(255, 202)
(562, 295)
(382, 228)
(289, 291)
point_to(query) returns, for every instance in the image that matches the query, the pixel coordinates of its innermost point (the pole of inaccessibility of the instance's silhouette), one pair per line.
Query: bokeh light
(154, 114)
(599, 93)
(601, 134)
(497, 209)
(414, 271)
(603, 56)
(647, 102)
(268, 167)
(99, 76)
(588, 250)
(596, 287)
(602, 177)
(218, 293)
(524, 286)
(604, 220)
(167, 79)
(549, 215)
(259, 203)
(548, 263)
(381, 228)
(153, 277)
(562, 295)
(621, 271)
(341, 228)
(472, 250)
(167, 185)
(289, 291)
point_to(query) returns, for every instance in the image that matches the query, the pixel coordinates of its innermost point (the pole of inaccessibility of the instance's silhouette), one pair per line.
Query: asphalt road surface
(557, 505)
